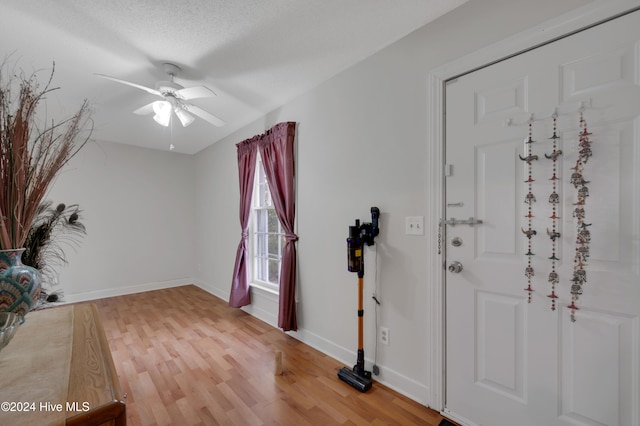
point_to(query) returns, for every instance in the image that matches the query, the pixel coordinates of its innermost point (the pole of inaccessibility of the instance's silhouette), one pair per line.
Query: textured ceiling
(255, 54)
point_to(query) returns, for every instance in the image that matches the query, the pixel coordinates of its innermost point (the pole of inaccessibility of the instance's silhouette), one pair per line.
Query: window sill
(265, 288)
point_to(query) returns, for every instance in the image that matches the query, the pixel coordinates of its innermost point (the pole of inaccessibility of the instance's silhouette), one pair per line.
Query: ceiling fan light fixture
(162, 120)
(163, 112)
(184, 117)
(162, 108)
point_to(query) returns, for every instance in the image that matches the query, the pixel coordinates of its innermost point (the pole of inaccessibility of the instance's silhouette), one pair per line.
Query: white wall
(361, 142)
(138, 210)
(156, 218)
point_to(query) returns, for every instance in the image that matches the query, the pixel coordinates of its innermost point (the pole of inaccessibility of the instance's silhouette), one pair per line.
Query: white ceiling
(255, 54)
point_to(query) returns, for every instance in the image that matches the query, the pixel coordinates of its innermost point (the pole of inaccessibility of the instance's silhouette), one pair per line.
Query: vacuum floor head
(361, 383)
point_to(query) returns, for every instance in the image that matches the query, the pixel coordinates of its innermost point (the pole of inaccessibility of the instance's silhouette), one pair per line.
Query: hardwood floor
(185, 358)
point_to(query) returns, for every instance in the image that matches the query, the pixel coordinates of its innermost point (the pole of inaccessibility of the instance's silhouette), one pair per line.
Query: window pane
(267, 195)
(261, 272)
(261, 245)
(274, 223)
(259, 196)
(274, 271)
(261, 221)
(261, 192)
(274, 247)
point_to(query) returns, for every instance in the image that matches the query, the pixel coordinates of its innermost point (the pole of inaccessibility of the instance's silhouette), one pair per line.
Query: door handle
(455, 267)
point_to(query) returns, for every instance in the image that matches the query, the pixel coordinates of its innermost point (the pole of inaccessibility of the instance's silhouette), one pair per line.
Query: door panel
(497, 198)
(597, 339)
(509, 361)
(500, 345)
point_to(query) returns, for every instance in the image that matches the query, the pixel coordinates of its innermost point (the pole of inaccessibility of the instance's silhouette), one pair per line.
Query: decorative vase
(20, 284)
(9, 323)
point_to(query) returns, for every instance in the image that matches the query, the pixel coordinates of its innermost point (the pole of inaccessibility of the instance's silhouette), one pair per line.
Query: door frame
(559, 27)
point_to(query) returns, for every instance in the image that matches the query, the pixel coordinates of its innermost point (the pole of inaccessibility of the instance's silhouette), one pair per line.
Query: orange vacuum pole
(360, 313)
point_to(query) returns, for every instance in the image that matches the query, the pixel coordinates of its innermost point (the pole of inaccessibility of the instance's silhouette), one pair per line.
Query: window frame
(261, 235)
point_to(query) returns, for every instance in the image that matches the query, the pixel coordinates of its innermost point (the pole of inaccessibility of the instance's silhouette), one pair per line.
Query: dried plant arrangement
(31, 153)
(53, 230)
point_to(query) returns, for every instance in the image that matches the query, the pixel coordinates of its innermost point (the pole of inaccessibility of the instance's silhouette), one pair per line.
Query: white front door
(514, 362)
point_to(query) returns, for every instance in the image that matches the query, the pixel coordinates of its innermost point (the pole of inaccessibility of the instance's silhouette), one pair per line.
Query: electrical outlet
(375, 370)
(384, 335)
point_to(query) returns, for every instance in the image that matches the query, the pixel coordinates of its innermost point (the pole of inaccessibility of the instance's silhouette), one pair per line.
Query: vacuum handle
(375, 215)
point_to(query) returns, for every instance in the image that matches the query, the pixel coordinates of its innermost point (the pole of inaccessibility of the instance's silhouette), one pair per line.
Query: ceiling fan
(173, 100)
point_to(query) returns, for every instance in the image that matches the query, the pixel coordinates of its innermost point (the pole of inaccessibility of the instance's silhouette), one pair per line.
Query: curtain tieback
(291, 237)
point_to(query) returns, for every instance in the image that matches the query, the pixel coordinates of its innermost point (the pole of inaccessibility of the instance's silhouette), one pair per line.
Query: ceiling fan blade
(147, 109)
(128, 83)
(195, 92)
(204, 115)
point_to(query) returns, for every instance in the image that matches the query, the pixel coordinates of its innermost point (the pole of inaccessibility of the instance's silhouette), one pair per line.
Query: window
(266, 232)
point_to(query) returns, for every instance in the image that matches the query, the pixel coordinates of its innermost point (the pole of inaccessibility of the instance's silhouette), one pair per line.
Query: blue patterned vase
(20, 284)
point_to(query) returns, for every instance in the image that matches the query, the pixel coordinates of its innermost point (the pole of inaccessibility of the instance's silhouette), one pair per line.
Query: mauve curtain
(276, 150)
(247, 151)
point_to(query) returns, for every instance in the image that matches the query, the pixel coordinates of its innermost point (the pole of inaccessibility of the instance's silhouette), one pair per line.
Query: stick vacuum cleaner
(359, 235)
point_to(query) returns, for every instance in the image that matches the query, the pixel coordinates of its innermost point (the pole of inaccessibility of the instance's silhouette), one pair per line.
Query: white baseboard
(264, 304)
(400, 383)
(120, 291)
(219, 293)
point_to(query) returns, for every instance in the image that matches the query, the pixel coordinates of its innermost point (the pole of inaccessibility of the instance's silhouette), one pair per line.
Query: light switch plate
(414, 225)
